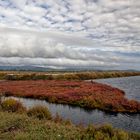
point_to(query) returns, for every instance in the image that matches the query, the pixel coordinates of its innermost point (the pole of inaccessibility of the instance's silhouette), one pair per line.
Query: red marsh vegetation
(80, 93)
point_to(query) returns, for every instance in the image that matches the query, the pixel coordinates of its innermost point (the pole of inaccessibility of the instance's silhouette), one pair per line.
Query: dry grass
(15, 126)
(39, 112)
(19, 75)
(12, 105)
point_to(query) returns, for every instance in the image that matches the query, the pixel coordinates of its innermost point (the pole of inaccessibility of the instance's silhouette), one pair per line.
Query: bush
(52, 99)
(90, 130)
(107, 129)
(134, 135)
(122, 135)
(12, 105)
(39, 112)
(99, 136)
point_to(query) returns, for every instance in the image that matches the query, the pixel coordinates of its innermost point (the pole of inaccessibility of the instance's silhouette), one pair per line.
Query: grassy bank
(21, 126)
(78, 93)
(14, 75)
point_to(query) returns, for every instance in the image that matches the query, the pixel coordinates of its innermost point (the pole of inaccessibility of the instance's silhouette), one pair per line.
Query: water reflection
(79, 115)
(131, 85)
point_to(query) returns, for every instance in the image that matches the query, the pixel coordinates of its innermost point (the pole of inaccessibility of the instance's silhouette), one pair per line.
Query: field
(25, 75)
(20, 126)
(79, 93)
(62, 88)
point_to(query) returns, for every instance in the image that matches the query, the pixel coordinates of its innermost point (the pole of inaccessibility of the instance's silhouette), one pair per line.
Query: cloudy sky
(70, 33)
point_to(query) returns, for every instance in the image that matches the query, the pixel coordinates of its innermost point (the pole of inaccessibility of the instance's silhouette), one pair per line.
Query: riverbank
(20, 126)
(87, 75)
(91, 95)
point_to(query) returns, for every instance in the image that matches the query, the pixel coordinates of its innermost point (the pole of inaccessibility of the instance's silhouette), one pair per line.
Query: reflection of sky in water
(79, 115)
(131, 85)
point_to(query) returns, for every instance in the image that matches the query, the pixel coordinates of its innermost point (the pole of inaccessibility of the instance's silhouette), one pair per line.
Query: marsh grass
(15, 126)
(39, 112)
(13, 75)
(37, 124)
(12, 105)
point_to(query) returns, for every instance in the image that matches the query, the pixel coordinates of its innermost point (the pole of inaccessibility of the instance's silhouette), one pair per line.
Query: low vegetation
(39, 112)
(12, 105)
(17, 126)
(64, 76)
(78, 93)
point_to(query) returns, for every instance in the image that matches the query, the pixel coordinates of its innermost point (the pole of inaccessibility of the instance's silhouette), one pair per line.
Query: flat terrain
(14, 126)
(79, 93)
(25, 75)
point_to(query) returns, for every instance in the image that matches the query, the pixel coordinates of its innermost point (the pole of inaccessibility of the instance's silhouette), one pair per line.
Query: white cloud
(76, 32)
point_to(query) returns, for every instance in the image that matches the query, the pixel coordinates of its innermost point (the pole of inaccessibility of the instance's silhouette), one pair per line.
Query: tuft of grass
(40, 126)
(107, 128)
(123, 135)
(57, 118)
(15, 126)
(39, 112)
(12, 105)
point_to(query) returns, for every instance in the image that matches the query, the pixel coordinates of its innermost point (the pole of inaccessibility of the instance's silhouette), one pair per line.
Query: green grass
(15, 126)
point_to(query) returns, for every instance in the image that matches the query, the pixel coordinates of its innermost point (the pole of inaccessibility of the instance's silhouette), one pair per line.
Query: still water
(131, 85)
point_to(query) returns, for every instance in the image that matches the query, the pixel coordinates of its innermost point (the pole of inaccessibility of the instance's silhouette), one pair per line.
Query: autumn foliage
(80, 93)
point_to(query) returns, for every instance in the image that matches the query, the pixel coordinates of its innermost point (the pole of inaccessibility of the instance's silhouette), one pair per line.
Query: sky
(91, 34)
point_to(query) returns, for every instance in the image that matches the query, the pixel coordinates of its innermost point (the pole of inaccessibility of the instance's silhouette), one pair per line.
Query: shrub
(10, 77)
(134, 135)
(99, 136)
(107, 128)
(90, 130)
(52, 99)
(39, 112)
(122, 135)
(12, 105)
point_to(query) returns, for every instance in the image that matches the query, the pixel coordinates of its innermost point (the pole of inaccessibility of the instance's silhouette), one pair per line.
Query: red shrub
(85, 94)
